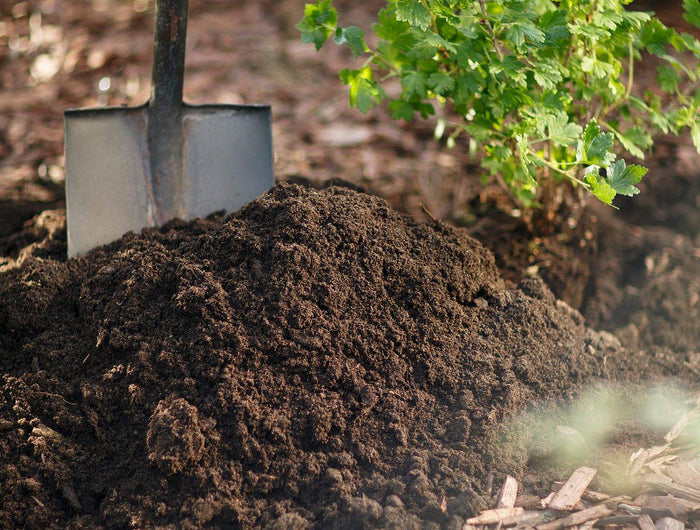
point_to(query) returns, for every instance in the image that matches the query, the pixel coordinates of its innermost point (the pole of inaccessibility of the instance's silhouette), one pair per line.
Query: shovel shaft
(169, 54)
(165, 134)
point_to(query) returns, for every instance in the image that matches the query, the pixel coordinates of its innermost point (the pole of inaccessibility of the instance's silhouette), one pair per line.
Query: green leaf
(597, 68)
(441, 83)
(519, 32)
(414, 83)
(655, 36)
(547, 74)
(588, 31)
(695, 135)
(559, 130)
(600, 150)
(512, 70)
(635, 19)
(318, 23)
(590, 133)
(364, 91)
(622, 178)
(692, 12)
(554, 25)
(600, 188)
(635, 140)
(595, 146)
(388, 27)
(413, 12)
(354, 37)
(401, 110)
(468, 25)
(432, 41)
(668, 77)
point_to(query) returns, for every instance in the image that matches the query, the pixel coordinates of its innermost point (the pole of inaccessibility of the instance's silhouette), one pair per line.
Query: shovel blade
(227, 159)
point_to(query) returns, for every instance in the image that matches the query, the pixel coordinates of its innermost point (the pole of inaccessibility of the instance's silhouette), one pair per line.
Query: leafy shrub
(544, 90)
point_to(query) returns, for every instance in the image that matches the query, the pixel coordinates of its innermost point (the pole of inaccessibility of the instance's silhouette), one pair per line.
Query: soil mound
(315, 360)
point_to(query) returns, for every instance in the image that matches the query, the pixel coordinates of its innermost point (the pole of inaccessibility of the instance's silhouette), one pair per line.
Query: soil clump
(315, 360)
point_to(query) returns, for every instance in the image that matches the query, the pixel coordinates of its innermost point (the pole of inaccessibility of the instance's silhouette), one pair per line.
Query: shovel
(133, 167)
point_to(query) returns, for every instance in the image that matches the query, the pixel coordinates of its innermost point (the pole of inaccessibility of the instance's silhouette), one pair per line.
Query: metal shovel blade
(226, 155)
(130, 168)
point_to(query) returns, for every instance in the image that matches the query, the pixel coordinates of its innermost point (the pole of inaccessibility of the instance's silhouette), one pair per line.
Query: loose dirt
(315, 360)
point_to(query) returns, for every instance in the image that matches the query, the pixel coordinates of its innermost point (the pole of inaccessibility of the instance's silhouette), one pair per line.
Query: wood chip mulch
(668, 495)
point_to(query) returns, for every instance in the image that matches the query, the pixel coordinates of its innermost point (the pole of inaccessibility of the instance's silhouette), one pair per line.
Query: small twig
(430, 215)
(490, 28)
(55, 395)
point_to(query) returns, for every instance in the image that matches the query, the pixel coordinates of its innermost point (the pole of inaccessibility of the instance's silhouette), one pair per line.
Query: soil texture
(315, 359)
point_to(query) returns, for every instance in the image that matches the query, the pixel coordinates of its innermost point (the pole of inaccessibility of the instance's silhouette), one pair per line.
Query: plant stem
(612, 129)
(490, 28)
(557, 169)
(432, 16)
(630, 83)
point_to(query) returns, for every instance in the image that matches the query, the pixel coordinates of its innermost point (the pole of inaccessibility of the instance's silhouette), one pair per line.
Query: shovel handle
(165, 132)
(169, 54)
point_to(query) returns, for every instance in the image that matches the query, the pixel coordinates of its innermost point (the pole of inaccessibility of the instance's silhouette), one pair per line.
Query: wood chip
(616, 520)
(529, 519)
(669, 523)
(629, 508)
(578, 518)
(38, 501)
(528, 501)
(642, 457)
(69, 494)
(669, 506)
(572, 490)
(46, 432)
(645, 523)
(686, 473)
(494, 516)
(595, 496)
(508, 494)
(684, 492)
(544, 503)
(679, 427)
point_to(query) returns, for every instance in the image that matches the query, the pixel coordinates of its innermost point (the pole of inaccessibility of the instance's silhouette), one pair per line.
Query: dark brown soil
(316, 359)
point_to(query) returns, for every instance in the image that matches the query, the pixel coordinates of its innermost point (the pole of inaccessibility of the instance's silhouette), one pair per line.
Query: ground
(96, 390)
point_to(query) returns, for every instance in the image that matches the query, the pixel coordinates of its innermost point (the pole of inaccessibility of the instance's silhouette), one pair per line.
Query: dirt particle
(174, 439)
(290, 521)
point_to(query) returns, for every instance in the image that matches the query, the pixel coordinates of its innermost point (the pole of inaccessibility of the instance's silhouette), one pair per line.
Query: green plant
(545, 90)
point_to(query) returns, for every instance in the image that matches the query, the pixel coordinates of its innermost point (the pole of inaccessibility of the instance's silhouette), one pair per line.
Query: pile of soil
(316, 359)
